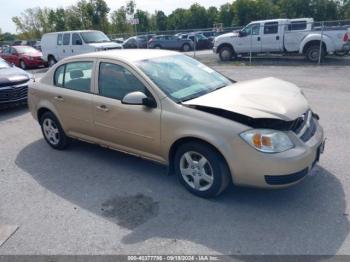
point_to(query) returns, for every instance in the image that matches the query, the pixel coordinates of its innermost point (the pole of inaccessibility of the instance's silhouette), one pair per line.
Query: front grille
(307, 128)
(12, 94)
(286, 179)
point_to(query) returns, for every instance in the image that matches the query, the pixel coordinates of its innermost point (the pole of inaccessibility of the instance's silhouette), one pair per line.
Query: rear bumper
(346, 47)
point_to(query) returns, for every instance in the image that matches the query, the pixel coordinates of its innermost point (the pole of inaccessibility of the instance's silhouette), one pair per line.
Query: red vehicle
(23, 56)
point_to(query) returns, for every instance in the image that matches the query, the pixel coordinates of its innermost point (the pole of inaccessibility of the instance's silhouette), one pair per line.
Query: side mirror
(139, 98)
(78, 42)
(242, 33)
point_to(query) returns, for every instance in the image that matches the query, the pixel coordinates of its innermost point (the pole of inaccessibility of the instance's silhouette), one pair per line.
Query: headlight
(267, 141)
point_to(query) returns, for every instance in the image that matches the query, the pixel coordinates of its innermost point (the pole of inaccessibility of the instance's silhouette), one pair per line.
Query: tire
(53, 132)
(51, 61)
(186, 48)
(313, 52)
(157, 47)
(226, 53)
(22, 64)
(207, 181)
(341, 53)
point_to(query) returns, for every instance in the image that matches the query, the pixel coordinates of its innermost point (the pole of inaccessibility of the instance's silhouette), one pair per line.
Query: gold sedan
(167, 107)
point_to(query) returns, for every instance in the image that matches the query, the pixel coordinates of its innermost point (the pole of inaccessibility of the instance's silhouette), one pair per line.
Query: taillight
(346, 37)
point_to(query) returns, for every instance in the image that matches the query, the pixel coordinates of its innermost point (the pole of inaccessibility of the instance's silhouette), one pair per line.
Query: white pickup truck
(283, 36)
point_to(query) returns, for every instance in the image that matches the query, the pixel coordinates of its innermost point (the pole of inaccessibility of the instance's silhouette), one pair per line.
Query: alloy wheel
(196, 171)
(51, 131)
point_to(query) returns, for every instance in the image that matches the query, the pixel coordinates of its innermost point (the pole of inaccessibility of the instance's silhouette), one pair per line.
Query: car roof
(127, 55)
(73, 31)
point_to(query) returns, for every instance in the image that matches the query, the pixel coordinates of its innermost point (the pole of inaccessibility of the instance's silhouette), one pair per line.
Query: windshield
(25, 50)
(3, 64)
(181, 77)
(94, 37)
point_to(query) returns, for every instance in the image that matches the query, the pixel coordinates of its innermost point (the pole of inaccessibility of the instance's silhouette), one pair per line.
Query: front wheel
(53, 132)
(225, 53)
(201, 169)
(22, 64)
(186, 47)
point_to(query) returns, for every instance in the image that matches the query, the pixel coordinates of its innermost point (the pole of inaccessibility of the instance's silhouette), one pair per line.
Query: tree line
(95, 14)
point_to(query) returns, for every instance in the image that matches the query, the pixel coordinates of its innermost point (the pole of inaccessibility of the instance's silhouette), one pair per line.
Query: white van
(58, 45)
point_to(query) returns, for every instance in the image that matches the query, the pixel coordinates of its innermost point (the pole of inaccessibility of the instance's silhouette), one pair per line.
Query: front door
(134, 128)
(77, 44)
(64, 45)
(249, 39)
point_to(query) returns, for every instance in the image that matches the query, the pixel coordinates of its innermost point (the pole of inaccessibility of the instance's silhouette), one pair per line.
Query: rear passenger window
(74, 76)
(297, 25)
(66, 39)
(271, 28)
(59, 39)
(115, 81)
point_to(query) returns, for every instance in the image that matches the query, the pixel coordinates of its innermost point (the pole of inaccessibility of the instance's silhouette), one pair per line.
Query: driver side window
(253, 29)
(115, 81)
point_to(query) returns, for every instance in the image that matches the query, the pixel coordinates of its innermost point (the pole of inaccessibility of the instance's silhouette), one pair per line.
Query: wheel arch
(225, 45)
(187, 139)
(316, 40)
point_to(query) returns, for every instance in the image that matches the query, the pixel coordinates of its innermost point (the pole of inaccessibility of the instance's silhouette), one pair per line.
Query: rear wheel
(312, 53)
(53, 132)
(201, 169)
(226, 53)
(157, 47)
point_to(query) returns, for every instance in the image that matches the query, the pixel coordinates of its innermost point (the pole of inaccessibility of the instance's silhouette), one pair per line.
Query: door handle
(278, 37)
(259, 38)
(102, 108)
(64, 50)
(72, 51)
(59, 98)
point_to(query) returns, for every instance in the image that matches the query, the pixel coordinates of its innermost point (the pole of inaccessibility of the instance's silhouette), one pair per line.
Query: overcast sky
(11, 8)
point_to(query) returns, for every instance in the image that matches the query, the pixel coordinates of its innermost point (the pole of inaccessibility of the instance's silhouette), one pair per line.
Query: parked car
(58, 45)
(23, 56)
(170, 108)
(201, 41)
(13, 84)
(119, 40)
(135, 42)
(282, 36)
(170, 42)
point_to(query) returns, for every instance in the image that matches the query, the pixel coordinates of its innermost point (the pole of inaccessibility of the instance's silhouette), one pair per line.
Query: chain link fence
(320, 41)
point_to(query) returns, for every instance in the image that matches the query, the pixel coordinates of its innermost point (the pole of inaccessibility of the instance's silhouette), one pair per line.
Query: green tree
(143, 25)
(226, 14)
(161, 21)
(213, 16)
(119, 21)
(197, 16)
(178, 19)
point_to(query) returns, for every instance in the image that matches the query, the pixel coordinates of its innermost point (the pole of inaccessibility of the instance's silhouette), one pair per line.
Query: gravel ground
(90, 200)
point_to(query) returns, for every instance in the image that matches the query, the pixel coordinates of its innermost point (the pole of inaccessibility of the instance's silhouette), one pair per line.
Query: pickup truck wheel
(313, 52)
(226, 53)
(201, 169)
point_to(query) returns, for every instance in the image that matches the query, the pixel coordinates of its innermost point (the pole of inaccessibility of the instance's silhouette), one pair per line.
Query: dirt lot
(90, 200)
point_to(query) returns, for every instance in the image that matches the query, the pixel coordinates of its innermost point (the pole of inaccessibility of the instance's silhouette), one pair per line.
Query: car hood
(105, 45)
(269, 98)
(13, 75)
(231, 34)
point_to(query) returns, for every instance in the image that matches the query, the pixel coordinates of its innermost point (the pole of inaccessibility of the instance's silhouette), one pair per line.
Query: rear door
(134, 128)
(272, 37)
(73, 97)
